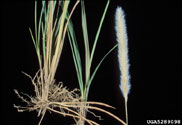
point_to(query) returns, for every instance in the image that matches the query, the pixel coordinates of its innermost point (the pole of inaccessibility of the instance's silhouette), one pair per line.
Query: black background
(155, 57)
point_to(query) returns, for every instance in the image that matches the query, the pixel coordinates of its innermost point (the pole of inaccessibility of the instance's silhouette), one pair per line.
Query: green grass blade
(76, 55)
(44, 30)
(86, 42)
(39, 26)
(36, 37)
(54, 6)
(32, 38)
(93, 74)
(35, 19)
(98, 31)
(76, 65)
(58, 24)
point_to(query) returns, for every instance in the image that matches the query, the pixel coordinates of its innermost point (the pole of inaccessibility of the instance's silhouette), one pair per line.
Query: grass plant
(89, 54)
(50, 30)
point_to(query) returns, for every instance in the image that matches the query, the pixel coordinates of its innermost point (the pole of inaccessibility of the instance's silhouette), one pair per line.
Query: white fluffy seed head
(121, 37)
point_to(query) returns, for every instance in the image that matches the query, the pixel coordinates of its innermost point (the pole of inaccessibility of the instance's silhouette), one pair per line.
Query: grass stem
(126, 111)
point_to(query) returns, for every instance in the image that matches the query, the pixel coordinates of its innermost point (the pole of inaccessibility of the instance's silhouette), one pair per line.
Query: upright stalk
(126, 111)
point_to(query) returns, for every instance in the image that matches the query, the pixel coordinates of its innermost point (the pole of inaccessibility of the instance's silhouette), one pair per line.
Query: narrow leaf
(93, 74)
(98, 31)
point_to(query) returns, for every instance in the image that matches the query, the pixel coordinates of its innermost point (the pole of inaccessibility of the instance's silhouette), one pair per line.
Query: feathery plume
(122, 40)
(121, 37)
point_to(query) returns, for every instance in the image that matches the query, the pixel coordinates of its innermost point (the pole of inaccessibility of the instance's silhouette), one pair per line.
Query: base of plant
(62, 101)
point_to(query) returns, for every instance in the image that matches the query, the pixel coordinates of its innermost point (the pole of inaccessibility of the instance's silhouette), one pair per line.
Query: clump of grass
(48, 40)
(89, 54)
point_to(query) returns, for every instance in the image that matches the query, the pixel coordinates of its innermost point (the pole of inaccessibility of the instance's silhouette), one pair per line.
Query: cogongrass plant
(121, 35)
(89, 76)
(48, 40)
